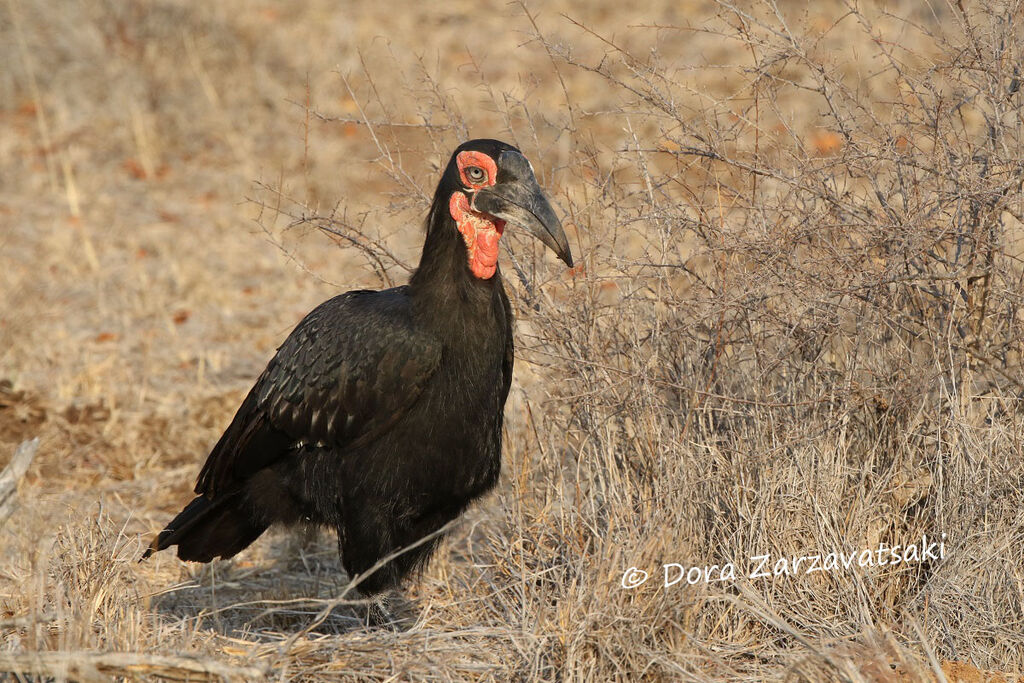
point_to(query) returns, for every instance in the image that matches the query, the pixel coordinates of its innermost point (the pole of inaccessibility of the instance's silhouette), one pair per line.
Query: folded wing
(348, 372)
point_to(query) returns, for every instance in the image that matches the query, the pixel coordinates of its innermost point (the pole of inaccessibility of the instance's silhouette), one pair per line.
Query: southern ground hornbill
(380, 415)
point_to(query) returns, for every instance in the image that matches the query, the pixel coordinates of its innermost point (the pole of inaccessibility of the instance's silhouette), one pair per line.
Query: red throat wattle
(481, 234)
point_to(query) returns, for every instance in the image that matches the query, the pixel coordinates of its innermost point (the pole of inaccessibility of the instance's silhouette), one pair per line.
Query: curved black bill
(518, 199)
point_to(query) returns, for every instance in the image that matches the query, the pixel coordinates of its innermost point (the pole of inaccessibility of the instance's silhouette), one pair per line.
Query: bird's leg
(353, 545)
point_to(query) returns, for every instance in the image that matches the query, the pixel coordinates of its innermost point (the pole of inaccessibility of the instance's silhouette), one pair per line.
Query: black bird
(380, 415)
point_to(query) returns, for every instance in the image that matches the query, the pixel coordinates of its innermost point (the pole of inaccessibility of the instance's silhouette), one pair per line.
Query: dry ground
(795, 329)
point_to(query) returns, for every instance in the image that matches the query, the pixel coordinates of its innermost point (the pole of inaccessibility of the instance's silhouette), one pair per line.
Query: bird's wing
(344, 375)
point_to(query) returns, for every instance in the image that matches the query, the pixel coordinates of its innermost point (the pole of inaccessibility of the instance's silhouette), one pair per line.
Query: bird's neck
(446, 293)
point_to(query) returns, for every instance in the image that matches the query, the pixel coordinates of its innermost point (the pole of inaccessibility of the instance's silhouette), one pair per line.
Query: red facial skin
(480, 231)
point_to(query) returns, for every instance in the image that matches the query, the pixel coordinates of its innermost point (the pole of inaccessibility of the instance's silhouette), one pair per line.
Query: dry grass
(794, 329)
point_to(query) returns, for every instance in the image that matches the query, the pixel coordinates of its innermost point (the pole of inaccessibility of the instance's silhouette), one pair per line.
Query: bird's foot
(379, 614)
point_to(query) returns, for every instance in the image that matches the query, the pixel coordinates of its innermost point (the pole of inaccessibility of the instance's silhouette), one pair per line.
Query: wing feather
(344, 375)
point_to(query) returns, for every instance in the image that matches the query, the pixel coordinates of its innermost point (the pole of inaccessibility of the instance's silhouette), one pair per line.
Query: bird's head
(487, 184)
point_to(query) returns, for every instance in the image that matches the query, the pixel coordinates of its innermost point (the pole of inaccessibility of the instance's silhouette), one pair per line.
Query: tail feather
(209, 528)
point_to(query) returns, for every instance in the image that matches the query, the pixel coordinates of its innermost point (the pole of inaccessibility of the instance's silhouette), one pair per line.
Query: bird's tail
(209, 528)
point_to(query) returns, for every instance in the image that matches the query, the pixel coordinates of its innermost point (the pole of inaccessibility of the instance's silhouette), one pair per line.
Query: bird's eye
(475, 174)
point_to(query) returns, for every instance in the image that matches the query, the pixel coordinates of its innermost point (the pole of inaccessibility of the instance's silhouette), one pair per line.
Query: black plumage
(380, 415)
